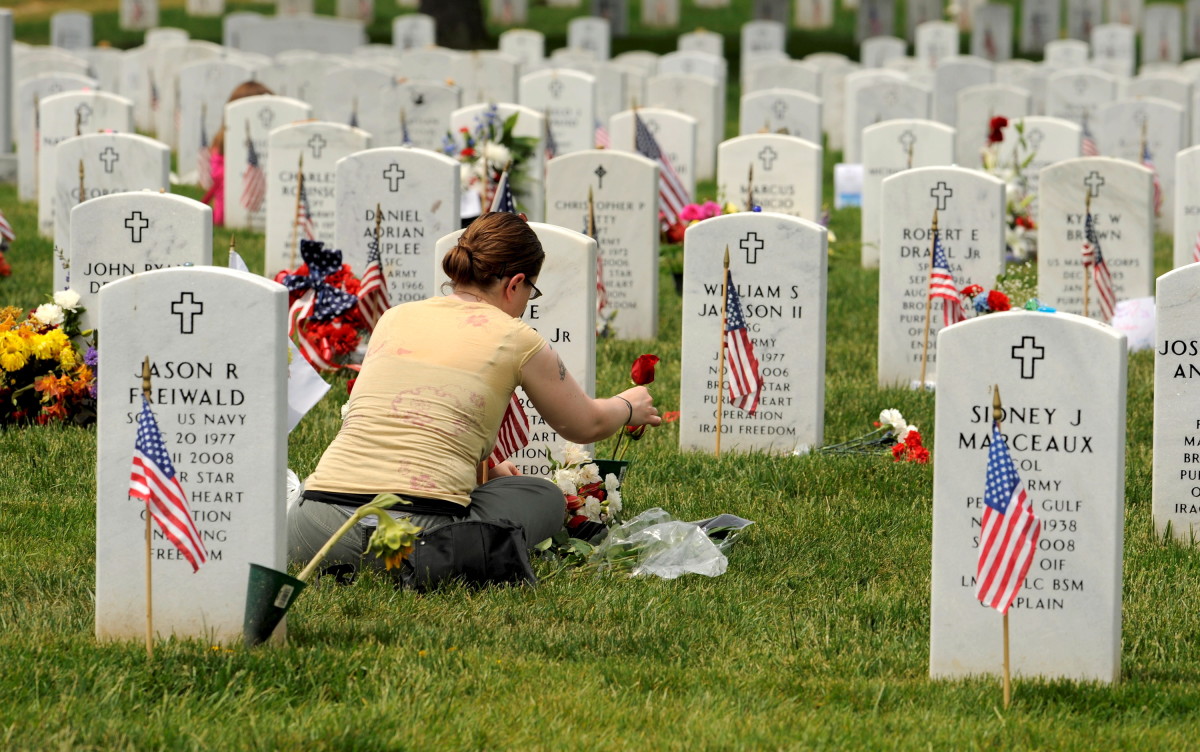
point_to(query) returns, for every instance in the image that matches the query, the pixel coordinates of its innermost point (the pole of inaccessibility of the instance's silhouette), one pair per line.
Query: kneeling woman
(427, 406)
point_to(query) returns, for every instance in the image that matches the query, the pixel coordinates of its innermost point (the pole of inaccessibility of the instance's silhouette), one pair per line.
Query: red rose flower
(635, 432)
(972, 290)
(675, 232)
(913, 439)
(998, 301)
(642, 372)
(996, 128)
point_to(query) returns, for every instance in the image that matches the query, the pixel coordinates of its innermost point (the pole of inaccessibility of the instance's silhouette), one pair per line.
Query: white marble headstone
(789, 74)
(217, 342)
(886, 99)
(1082, 17)
(1176, 490)
(1076, 94)
(136, 15)
(970, 207)
(781, 111)
(1123, 124)
(71, 30)
(247, 121)
(992, 35)
(977, 105)
(625, 193)
(530, 193)
(29, 94)
(702, 40)
(674, 132)
(121, 234)
(1113, 48)
(936, 42)
(1187, 207)
(418, 193)
(778, 266)
(568, 98)
(413, 31)
(786, 173)
(1040, 23)
(877, 50)
(887, 148)
(697, 97)
(1049, 141)
(525, 45)
(1122, 197)
(487, 76)
(592, 34)
(1065, 430)
(876, 18)
(204, 88)
(1162, 40)
(320, 144)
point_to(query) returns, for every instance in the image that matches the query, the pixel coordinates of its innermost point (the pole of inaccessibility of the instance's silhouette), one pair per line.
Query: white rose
(573, 454)
(67, 299)
(496, 154)
(591, 508)
(589, 473)
(565, 480)
(49, 314)
(892, 417)
(611, 484)
(614, 503)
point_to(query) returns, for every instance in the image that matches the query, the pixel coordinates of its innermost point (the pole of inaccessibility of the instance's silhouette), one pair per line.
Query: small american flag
(503, 200)
(302, 309)
(601, 288)
(1148, 163)
(372, 294)
(154, 99)
(1089, 147)
(254, 182)
(6, 230)
(1094, 259)
(672, 195)
(513, 434)
(304, 218)
(405, 139)
(354, 118)
(204, 157)
(745, 377)
(153, 480)
(603, 141)
(1195, 247)
(1009, 531)
(941, 285)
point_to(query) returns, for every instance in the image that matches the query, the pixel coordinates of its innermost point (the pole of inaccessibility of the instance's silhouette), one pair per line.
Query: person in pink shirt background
(215, 195)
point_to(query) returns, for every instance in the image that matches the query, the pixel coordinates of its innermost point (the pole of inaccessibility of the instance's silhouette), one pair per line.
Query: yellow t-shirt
(426, 407)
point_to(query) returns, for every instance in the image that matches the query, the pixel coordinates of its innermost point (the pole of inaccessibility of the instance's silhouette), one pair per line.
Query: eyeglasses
(536, 292)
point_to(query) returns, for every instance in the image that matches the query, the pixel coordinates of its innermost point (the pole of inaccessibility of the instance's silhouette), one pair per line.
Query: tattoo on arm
(562, 370)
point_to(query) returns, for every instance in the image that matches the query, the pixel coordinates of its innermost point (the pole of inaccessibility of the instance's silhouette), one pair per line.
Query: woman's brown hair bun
(494, 246)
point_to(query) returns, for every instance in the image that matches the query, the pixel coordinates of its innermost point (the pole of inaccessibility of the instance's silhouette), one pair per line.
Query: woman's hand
(503, 470)
(644, 411)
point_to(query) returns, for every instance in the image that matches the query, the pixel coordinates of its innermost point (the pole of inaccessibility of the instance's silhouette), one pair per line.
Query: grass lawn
(817, 637)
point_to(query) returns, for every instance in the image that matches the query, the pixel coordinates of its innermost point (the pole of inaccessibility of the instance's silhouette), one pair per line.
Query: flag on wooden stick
(6, 230)
(942, 285)
(372, 293)
(1009, 530)
(745, 376)
(153, 480)
(1093, 259)
(203, 155)
(503, 200)
(303, 212)
(513, 434)
(254, 182)
(672, 196)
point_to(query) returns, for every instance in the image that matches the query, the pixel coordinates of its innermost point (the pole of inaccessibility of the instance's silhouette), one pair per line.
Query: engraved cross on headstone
(1093, 182)
(907, 139)
(767, 156)
(266, 116)
(317, 144)
(1035, 137)
(941, 193)
(556, 88)
(1029, 352)
(83, 112)
(600, 172)
(780, 108)
(109, 157)
(188, 314)
(752, 244)
(393, 174)
(135, 223)
(1080, 83)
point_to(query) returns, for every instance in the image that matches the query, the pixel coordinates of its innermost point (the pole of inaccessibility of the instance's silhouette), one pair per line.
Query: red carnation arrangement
(910, 449)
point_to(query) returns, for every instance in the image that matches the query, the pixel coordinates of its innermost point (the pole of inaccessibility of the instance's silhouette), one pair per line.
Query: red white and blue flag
(6, 230)
(254, 182)
(372, 294)
(304, 216)
(1009, 531)
(672, 196)
(1093, 259)
(203, 156)
(153, 480)
(603, 140)
(745, 376)
(513, 434)
(1089, 148)
(1195, 247)
(551, 144)
(941, 285)
(503, 200)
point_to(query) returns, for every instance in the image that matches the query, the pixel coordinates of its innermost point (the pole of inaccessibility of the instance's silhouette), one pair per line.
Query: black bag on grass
(474, 552)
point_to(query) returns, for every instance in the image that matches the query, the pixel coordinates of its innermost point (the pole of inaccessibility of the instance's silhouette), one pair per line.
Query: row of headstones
(1062, 377)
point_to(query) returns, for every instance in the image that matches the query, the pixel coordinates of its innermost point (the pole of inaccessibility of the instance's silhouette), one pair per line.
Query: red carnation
(971, 291)
(898, 452)
(913, 439)
(642, 372)
(920, 455)
(675, 232)
(1026, 222)
(996, 127)
(998, 301)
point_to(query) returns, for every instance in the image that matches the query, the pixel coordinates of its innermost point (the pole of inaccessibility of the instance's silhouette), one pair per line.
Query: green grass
(816, 637)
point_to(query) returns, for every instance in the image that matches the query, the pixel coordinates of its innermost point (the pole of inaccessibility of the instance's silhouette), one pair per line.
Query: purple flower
(91, 357)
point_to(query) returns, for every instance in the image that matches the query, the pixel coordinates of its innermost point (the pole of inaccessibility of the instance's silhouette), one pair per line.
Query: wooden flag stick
(591, 223)
(149, 536)
(296, 215)
(750, 189)
(82, 190)
(928, 303)
(1007, 667)
(1086, 267)
(911, 144)
(721, 359)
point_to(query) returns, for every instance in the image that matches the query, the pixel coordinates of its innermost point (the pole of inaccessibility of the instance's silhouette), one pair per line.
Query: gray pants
(535, 504)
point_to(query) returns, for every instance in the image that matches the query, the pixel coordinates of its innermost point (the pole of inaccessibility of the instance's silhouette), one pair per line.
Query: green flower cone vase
(616, 467)
(268, 597)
